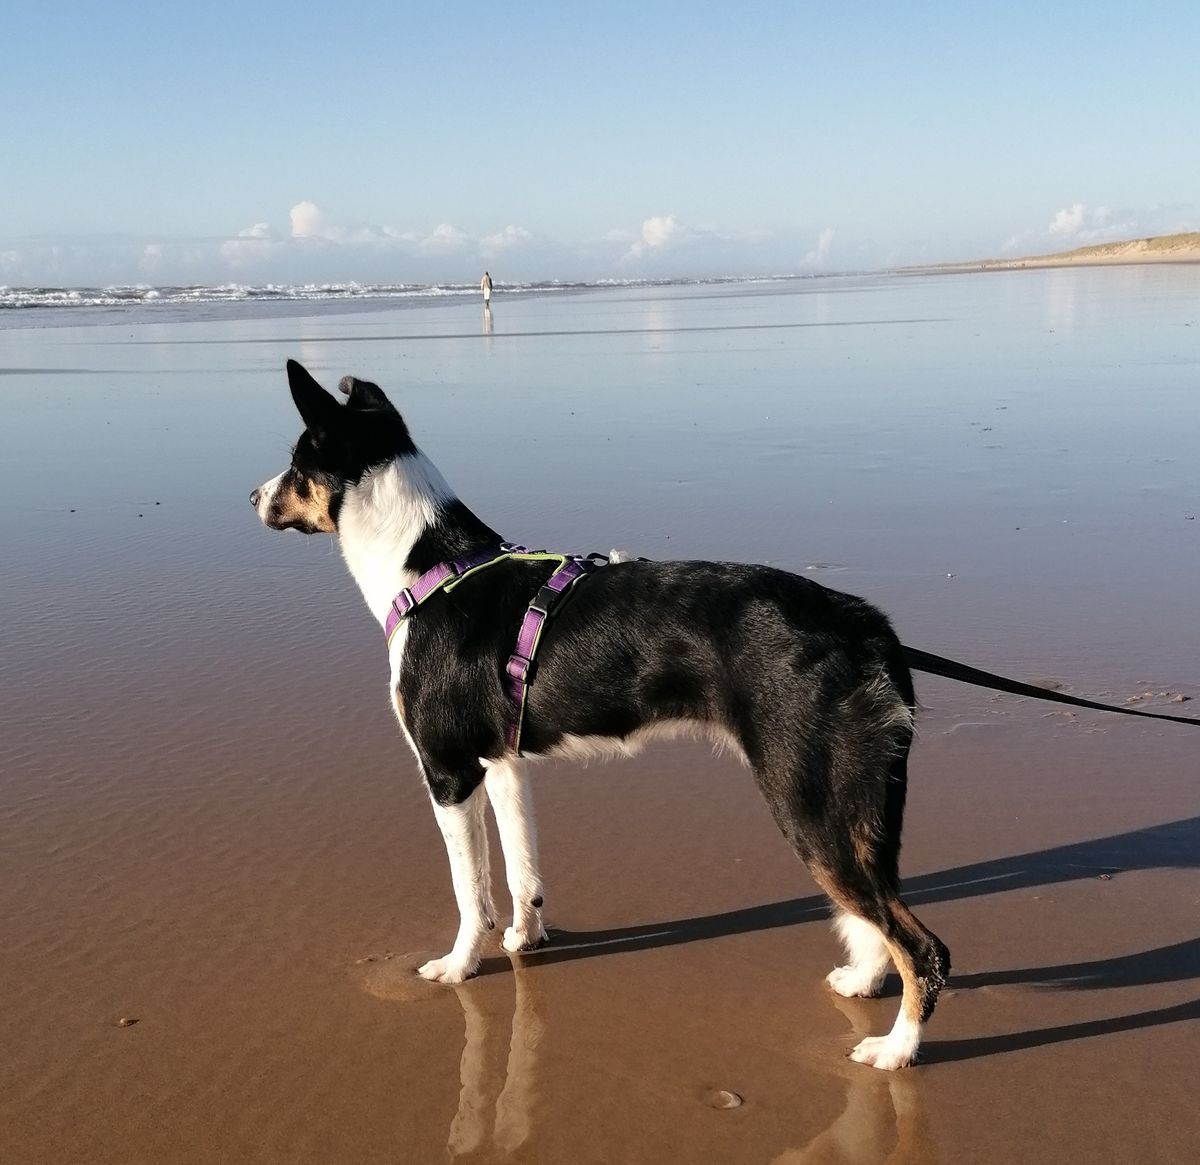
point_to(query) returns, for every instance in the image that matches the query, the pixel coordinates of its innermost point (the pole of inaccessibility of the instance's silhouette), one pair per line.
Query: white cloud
(817, 256)
(1021, 241)
(309, 221)
(309, 243)
(505, 240)
(658, 231)
(314, 224)
(1078, 226)
(152, 255)
(445, 237)
(668, 246)
(1067, 222)
(253, 245)
(319, 246)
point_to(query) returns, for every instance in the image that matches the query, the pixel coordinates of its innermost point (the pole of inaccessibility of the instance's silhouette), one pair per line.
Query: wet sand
(209, 824)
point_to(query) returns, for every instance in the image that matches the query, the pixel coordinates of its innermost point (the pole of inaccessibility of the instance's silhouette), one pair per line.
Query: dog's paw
(884, 1052)
(448, 969)
(856, 982)
(524, 938)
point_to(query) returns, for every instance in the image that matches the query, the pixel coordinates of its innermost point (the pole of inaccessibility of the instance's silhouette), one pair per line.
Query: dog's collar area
(550, 598)
(441, 577)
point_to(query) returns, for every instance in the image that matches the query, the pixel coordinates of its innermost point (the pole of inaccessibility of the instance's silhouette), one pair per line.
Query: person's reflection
(487, 320)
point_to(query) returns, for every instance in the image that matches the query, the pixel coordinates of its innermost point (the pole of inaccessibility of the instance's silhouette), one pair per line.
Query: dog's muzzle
(263, 495)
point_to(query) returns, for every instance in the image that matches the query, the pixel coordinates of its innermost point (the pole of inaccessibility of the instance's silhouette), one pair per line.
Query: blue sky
(267, 142)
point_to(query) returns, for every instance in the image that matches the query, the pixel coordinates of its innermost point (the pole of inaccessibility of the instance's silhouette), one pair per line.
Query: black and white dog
(808, 686)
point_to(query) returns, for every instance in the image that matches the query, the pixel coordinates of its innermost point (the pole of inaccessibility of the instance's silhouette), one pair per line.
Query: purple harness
(518, 672)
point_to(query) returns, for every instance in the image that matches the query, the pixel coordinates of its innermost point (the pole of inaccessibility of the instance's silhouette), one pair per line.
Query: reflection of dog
(883, 1118)
(808, 686)
(512, 1124)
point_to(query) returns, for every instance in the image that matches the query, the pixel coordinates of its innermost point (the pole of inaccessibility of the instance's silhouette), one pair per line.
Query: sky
(395, 142)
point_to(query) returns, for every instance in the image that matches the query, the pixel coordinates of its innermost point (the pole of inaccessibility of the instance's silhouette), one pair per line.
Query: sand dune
(1180, 248)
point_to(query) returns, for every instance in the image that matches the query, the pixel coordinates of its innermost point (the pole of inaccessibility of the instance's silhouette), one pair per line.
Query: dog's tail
(936, 665)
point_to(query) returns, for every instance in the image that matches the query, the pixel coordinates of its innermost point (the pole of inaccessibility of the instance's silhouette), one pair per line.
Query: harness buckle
(545, 600)
(403, 603)
(519, 667)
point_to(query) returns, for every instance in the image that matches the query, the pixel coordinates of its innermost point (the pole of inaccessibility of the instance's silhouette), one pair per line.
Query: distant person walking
(485, 285)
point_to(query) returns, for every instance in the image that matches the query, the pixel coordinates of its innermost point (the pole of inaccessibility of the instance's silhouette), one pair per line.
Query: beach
(218, 866)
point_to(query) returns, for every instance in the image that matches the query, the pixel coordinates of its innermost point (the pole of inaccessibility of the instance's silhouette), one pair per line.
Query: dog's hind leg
(463, 830)
(507, 785)
(860, 878)
(863, 892)
(841, 809)
(875, 846)
(923, 962)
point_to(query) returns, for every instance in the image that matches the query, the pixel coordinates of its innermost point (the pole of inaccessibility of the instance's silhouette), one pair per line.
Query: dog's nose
(254, 496)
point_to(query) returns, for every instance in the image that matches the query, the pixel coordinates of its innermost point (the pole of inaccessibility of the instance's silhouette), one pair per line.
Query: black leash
(950, 669)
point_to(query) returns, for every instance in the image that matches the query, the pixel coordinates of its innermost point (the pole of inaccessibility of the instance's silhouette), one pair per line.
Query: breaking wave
(147, 295)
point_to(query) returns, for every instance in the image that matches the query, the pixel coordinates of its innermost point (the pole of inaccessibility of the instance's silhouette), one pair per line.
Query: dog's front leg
(463, 829)
(507, 785)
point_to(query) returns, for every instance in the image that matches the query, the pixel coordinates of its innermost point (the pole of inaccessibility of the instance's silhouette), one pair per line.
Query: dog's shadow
(1174, 845)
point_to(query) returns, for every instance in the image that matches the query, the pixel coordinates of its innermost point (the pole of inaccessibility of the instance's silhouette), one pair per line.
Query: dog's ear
(363, 395)
(317, 408)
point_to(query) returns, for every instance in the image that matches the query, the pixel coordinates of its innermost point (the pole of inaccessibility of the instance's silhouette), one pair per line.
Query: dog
(809, 687)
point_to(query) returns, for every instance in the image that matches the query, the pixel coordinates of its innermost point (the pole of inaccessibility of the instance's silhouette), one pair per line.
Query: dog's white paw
(523, 938)
(448, 969)
(861, 982)
(885, 1052)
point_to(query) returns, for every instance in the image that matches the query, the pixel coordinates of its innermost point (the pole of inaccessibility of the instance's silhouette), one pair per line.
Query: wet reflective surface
(208, 821)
